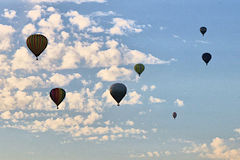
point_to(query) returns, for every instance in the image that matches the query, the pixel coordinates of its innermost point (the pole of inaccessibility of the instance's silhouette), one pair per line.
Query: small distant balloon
(118, 91)
(37, 44)
(203, 30)
(139, 68)
(206, 57)
(57, 95)
(174, 115)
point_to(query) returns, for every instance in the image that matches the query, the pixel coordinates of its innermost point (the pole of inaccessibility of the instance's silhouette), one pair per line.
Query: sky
(93, 44)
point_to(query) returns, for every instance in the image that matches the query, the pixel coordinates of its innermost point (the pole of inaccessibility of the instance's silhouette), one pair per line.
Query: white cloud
(179, 102)
(156, 100)
(79, 20)
(92, 117)
(104, 138)
(150, 154)
(137, 156)
(135, 56)
(144, 88)
(216, 150)
(50, 26)
(6, 115)
(114, 73)
(35, 13)
(64, 35)
(237, 130)
(152, 87)
(4, 65)
(9, 13)
(132, 98)
(101, 13)
(63, 80)
(129, 123)
(51, 9)
(96, 29)
(23, 83)
(75, 1)
(23, 60)
(5, 37)
(121, 26)
(28, 29)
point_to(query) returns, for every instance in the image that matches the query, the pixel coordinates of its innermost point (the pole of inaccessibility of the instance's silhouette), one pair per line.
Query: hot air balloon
(37, 43)
(174, 115)
(206, 57)
(57, 95)
(203, 30)
(118, 91)
(139, 68)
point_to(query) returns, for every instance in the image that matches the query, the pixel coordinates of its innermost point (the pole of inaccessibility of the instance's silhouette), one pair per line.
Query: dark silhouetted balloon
(174, 115)
(37, 44)
(139, 68)
(57, 95)
(118, 91)
(206, 57)
(203, 30)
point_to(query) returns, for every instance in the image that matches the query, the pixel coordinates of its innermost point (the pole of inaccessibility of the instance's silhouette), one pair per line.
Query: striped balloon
(37, 44)
(57, 95)
(139, 68)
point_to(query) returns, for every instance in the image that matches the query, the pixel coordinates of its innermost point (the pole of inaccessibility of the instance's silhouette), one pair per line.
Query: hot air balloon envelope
(57, 95)
(203, 30)
(118, 91)
(37, 44)
(139, 68)
(206, 57)
(174, 115)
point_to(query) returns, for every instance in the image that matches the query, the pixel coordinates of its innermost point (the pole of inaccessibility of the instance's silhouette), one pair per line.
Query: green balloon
(139, 68)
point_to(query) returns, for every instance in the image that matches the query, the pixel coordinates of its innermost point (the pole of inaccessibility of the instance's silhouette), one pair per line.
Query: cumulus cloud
(79, 20)
(101, 13)
(96, 29)
(62, 80)
(114, 73)
(149, 154)
(50, 25)
(28, 29)
(135, 56)
(22, 60)
(152, 87)
(237, 130)
(179, 102)
(5, 37)
(217, 149)
(74, 1)
(35, 13)
(132, 98)
(156, 100)
(121, 26)
(144, 88)
(4, 65)
(129, 123)
(9, 13)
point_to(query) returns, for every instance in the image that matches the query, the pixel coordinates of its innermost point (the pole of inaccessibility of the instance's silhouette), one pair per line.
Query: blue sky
(95, 43)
